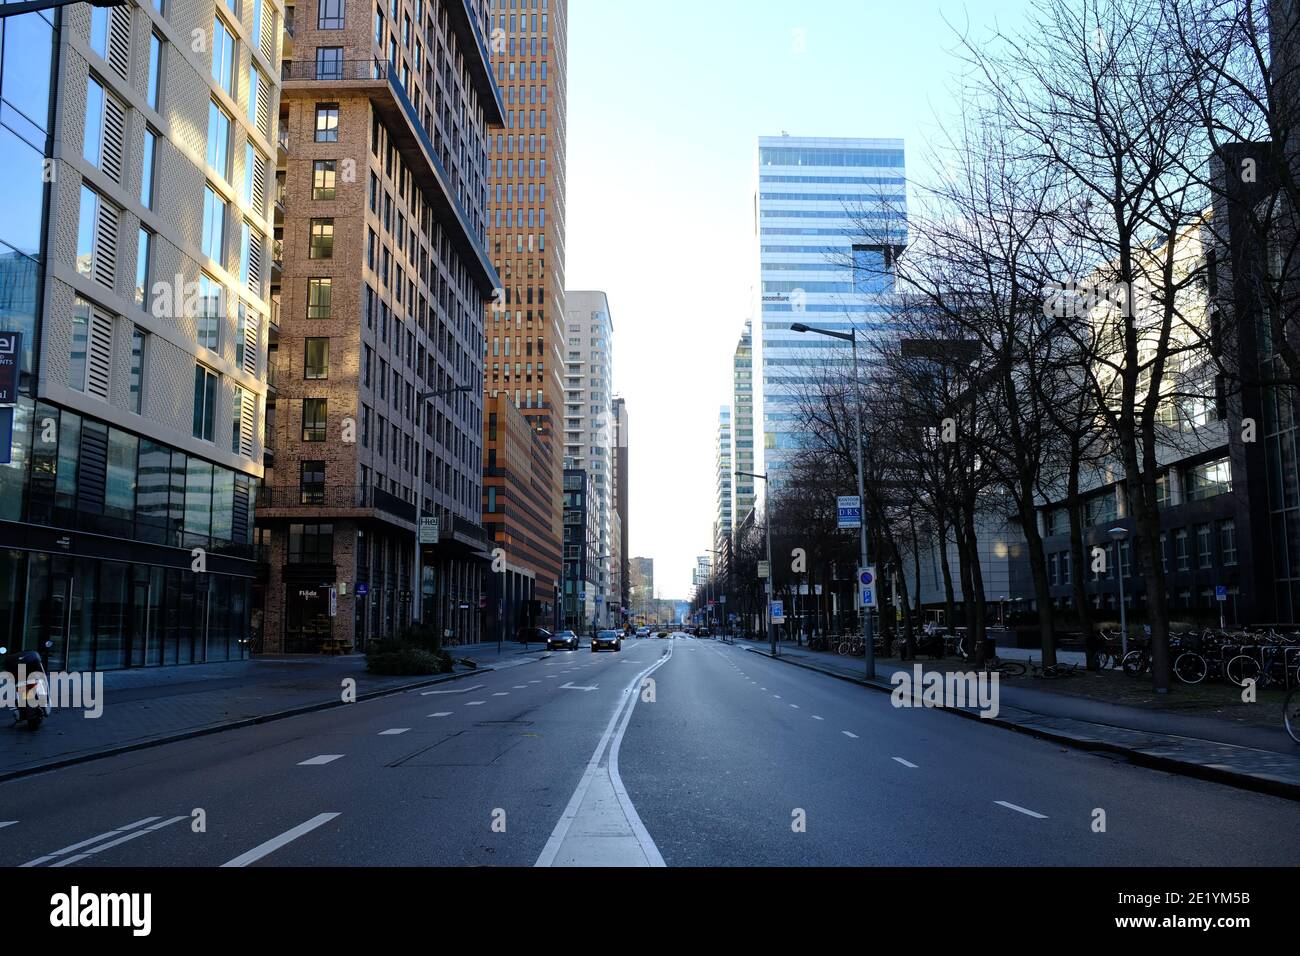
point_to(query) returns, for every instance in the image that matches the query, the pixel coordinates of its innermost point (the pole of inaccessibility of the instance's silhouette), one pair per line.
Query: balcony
(381, 84)
(321, 502)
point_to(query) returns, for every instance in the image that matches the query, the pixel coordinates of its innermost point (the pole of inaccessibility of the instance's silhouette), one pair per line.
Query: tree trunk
(1078, 560)
(1042, 587)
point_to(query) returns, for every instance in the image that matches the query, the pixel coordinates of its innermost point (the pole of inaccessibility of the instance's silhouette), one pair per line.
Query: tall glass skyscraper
(831, 218)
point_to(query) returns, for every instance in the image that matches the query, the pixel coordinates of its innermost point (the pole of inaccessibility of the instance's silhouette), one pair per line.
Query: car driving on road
(607, 641)
(562, 641)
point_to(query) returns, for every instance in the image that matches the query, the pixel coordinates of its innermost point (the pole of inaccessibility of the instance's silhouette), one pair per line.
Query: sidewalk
(156, 705)
(1256, 758)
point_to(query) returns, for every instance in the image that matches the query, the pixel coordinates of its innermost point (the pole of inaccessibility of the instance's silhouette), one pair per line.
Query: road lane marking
(394, 731)
(611, 739)
(321, 760)
(795, 706)
(1028, 813)
(95, 839)
(7, 823)
(502, 693)
(441, 713)
(776, 696)
(534, 682)
(273, 844)
(849, 733)
(475, 703)
(120, 840)
(520, 687)
(815, 717)
(431, 693)
(906, 763)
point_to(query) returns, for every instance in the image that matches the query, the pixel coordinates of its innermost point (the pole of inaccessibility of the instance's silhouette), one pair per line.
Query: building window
(313, 482)
(80, 342)
(211, 311)
(316, 358)
(329, 63)
(1208, 480)
(322, 181)
(147, 168)
(327, 122)
(314, 413)
(311, 544)
(322, 239)
(213, 240)
(154, 90)
(1180, 549)
(329, 15)
(218, 140)
(138, 337)
(223, 56)
(1228, 542)
(320, 298)
(1204, 547)
(205, 402)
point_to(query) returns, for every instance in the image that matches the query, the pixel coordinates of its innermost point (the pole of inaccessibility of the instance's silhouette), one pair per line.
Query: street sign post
(429, 530)
(848, 512)
(1221, 595)
(778, 612)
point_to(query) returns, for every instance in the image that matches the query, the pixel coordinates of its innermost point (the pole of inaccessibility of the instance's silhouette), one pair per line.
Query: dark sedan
(607, 641)
(562, 641)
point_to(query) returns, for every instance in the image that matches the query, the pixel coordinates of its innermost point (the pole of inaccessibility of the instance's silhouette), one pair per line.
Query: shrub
(397, 659)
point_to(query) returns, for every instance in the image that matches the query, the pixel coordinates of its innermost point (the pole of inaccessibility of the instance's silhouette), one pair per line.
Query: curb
(1242, 781)
(232, 725)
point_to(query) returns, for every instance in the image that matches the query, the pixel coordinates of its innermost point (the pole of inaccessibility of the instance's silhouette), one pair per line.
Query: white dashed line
(815, 717)
(7, 823)
(520, 687)
(321, 760)
(849, 733)
(476, 703)
(776, 696)
(795, 706)
(1028, 813)
(441, 713)
(393, 731)
(906, 763)
(503, 693)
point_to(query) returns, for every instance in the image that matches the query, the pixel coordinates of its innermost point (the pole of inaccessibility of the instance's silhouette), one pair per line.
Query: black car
(534, 635)
(607, 641)
(562, 641)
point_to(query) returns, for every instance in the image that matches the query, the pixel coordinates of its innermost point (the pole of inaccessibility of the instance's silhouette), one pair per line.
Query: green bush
(398, 659)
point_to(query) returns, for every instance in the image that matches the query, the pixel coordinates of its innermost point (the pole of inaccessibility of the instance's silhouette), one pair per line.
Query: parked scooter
(32, 690)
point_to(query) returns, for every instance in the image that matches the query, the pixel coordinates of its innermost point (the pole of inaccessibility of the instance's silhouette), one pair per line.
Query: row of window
(1205, 535)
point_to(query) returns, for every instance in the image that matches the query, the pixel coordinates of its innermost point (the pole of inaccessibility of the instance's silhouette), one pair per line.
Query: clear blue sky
(666, 101)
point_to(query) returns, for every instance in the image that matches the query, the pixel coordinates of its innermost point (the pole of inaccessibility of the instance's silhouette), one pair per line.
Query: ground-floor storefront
(98, 613)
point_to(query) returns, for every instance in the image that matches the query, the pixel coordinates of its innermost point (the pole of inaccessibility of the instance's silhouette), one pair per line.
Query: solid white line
(795, 706)
(815, 717)
(288, 836)
(466, 690)
(906, 763)
(7, 823)
(394, 731)
(1028, 813)
(476, 703)
(95, 839)
(441, 713)
(847, 733)
(321, 760)
(563, 825)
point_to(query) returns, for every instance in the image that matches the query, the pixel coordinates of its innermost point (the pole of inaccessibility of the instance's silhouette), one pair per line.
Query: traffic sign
(778, 612)
(1221, 592)
(867, 586)
(848, 512)
(363, 590)
(429, 532)
(763, 569)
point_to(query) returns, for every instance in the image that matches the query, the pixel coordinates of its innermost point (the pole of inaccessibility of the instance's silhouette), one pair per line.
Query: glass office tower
(831, 218)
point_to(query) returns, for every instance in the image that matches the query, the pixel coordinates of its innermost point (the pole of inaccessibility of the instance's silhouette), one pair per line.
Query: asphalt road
(576, 758)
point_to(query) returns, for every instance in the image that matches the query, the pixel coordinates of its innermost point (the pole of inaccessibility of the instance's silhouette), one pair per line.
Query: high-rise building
(581, 550)
(742, 429)
(589, 433)
(832, 219)
(526, 213)
(131, 432)
(378, 282)
(622, 565)
(723, 514)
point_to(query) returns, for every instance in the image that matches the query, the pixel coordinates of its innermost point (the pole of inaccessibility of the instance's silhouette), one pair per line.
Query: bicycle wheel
(844, 649)
(1104, 660)
(1010, 668)
(1291, 714)
(1241, 669)
(1191, 667)
(1135, 663)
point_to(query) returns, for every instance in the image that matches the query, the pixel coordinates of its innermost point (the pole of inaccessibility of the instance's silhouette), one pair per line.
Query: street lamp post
(868, 640)
(771, 628)
(1118, 535)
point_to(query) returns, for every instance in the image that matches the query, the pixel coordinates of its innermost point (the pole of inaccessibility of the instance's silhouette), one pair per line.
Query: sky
(666, 103)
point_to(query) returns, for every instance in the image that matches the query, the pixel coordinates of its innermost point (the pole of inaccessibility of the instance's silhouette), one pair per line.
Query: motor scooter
(31, 700)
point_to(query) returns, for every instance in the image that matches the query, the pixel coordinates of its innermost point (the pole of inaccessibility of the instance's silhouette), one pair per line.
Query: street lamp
(419, 500)
(1118, 535)
(771, 628)
(851, 337)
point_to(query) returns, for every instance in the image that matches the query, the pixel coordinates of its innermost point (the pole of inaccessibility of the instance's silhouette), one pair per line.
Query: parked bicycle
(1291, 714)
